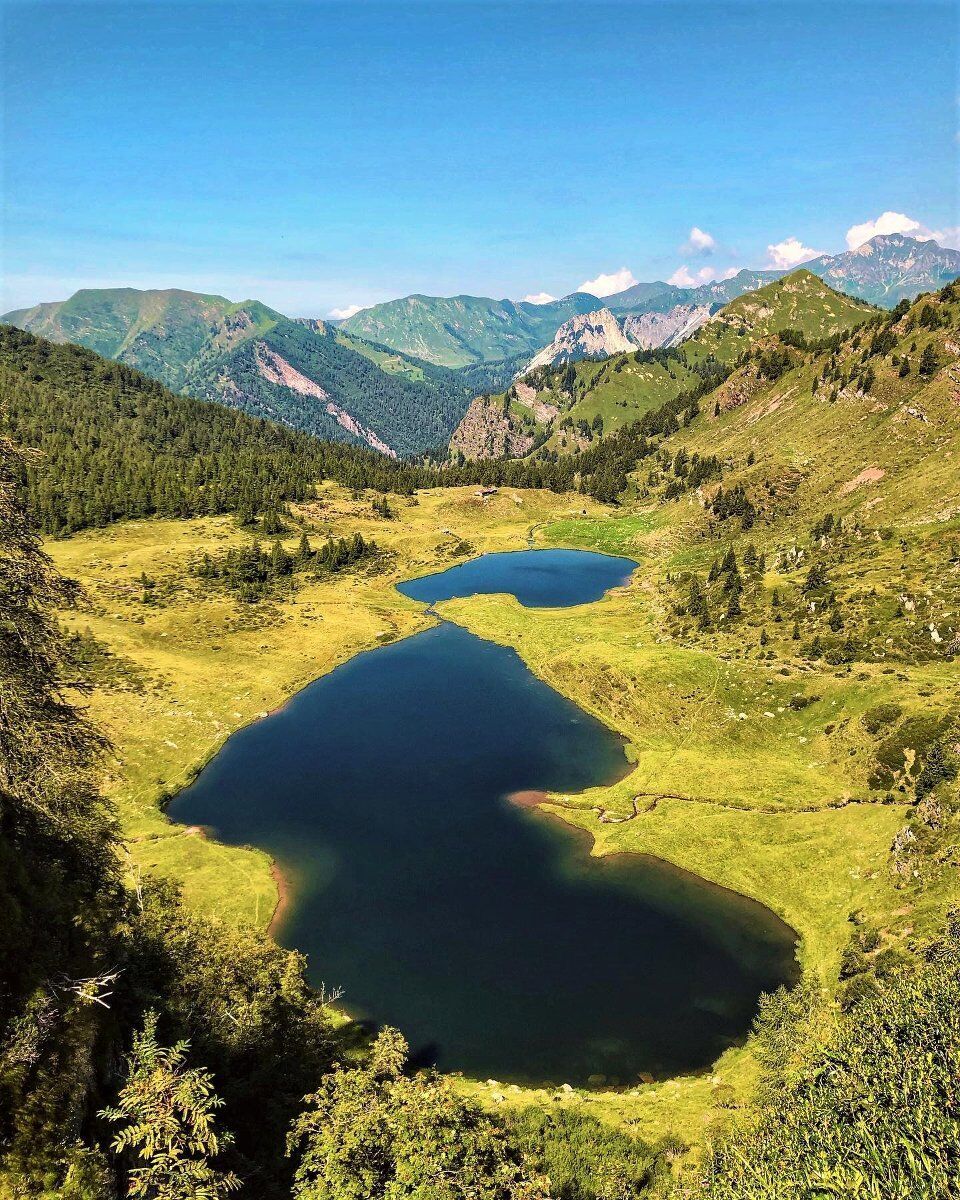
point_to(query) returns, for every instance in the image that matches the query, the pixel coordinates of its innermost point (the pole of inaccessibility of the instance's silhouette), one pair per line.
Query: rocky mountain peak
(595, 334)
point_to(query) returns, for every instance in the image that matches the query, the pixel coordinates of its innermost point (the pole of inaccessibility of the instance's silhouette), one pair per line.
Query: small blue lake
(538, 578)
(484, 930)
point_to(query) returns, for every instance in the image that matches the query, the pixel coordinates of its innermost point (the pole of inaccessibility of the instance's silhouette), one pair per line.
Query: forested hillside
(248, 356)
(113, 443)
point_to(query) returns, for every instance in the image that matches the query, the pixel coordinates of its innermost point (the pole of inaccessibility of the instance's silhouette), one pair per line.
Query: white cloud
(341, 314)
(791, 252)
(609, 285)
(684, 277)
(700, 242)
(949, 236)
(538, 298)
(888, 222)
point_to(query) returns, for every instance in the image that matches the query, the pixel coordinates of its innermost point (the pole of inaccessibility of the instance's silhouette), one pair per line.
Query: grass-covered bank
(763, 808)
(181, 665)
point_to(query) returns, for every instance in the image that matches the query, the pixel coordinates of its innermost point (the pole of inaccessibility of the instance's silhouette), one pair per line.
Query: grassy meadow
(730, 781)
(777, 736)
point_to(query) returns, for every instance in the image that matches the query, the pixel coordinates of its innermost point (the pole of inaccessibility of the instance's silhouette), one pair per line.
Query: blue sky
(322, 155)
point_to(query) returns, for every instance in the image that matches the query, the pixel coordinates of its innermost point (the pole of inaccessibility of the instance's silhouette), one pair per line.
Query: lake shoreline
(284, 899)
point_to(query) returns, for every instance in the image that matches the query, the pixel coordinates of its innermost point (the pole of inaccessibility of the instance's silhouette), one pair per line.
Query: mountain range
(456, 330)
(400, 377)
(883, 271)
(306, 374)
(591, 381)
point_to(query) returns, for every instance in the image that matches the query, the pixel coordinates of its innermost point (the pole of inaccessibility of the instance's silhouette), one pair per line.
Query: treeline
(115, 444)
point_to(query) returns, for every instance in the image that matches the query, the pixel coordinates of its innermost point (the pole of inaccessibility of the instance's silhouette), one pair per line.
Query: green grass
(609, 535)
(734, 779)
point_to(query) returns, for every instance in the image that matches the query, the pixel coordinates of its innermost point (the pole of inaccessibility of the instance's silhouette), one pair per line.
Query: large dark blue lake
(482, 929)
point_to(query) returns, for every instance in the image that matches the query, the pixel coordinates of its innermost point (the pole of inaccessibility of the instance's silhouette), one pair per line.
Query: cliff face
(489, 431)
(652, 330)
(591, 335)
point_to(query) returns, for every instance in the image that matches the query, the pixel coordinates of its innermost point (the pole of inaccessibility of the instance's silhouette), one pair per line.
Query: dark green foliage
(583, 1158)
(816, 579)
(251, 1018)
(696, 602)
(59, 882)
(375, 1132)
(81, 960)
(929, 362)
(252, 573)
(938, 768)
(881, 715)
(773, 363)
(167, 1117)
(490, 377)
(734, 503)
(873, 1113)
(115, 444)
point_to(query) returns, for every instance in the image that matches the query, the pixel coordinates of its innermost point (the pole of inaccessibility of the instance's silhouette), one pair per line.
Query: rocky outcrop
(489, 431)
(528, 395)
(352, 425)
(652, 330)
(276, 369)
(591, 335)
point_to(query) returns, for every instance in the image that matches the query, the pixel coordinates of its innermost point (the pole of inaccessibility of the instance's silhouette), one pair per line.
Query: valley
(777, 667)
(479, 601)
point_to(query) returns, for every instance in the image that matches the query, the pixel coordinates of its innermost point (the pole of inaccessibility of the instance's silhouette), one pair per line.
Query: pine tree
(303, 554)
(929, 362)
(696, 601)
(280, 561)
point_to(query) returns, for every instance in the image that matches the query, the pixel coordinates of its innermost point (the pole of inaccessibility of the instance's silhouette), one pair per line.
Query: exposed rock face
(528, 395)
(590, 335)
(488, 431)
(352, 425)
(889, 268)
(652, 330)
(277, 370)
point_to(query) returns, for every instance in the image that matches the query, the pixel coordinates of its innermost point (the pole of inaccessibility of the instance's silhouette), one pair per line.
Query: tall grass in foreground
(873, 1115)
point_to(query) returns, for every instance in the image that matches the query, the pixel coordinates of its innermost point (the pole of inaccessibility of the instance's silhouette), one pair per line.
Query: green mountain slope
(304, 373)
(458, 330)
(159, 332)
(114, 443)
(800, 302)
(568, 408)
